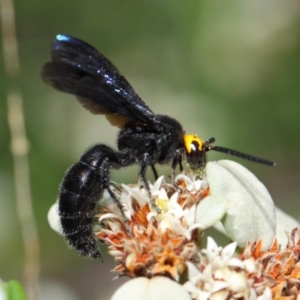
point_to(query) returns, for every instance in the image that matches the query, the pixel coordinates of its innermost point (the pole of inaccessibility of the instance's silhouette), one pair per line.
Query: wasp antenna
(243, 155)
(210, 141)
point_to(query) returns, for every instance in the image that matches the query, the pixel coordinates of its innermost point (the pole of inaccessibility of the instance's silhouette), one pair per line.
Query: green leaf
(14, 291)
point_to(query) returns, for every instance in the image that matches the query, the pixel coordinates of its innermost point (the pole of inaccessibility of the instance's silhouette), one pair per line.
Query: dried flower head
(280, 266)
(220, 274)
(149, 243)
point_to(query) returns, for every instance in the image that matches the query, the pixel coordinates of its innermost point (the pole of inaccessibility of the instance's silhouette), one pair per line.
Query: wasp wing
(78, 68)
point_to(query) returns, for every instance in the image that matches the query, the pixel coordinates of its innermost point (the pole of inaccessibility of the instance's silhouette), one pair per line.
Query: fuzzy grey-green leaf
(210, 211)
(250, 212)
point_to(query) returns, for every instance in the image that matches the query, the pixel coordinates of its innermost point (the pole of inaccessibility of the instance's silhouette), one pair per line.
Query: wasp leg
(176, 161)
(180, 163)
(154, 172)
(120, 207)
(80, 190)
(145, 182)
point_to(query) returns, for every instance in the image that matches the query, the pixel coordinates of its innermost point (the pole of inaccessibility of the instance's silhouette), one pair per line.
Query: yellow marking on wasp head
(190, 140)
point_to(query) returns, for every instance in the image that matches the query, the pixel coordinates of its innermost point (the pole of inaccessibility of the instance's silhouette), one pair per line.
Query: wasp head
(195, 151)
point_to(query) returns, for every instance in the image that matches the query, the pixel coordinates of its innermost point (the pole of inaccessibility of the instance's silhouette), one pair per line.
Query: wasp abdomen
(79, 193)
(80, 190)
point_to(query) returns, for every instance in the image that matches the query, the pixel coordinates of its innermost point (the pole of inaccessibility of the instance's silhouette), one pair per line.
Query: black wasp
(145, 138)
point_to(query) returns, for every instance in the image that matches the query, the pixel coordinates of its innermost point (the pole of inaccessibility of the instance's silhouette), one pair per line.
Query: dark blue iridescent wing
(78, 68)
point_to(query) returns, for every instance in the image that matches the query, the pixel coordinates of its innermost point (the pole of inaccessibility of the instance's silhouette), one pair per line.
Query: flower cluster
(160, 247)
(220, 274)
(280, 268)
(151, 243)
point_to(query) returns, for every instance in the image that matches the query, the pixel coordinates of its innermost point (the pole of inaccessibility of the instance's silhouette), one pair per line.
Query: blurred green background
(225, 69)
